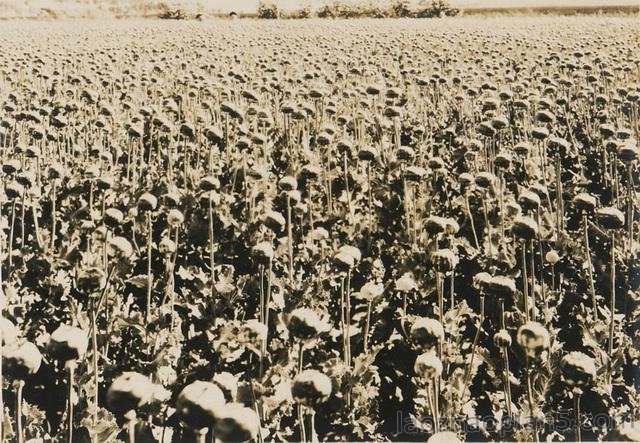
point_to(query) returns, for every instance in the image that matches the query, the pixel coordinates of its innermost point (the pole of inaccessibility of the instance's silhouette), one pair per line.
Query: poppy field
(365, 230)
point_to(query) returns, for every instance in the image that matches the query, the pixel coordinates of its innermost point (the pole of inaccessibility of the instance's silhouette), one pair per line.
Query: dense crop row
(415, 230)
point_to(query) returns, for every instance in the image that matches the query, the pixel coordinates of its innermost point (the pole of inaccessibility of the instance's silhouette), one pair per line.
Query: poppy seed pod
(104, 182)
(11, 166)
(444, 260)
(540, 133)
(444, 437)
(167, 246)
(502, 339)
(452, 226)
(525, 228)
(147, 202)
(485, 179)
(228, 384)
(552, 257)
(466, 179)
(67, 343)
(128, 392)
(578, 369)
(367, 154)
(22, 361)
(545, 117)
(436, 225)
(55, 171)
(370, 291)
(90, 280)
(406, 283)
(522, 149)
(501, 286)
(512, 209)
(405, 154)
(503, 160)
(628, 153)
(352, 251)
(499, 122)
(120, 247)
(529, 200)
(585, 202)
(175, 218)
(253, 332)
(426, 333)
(209, 183)
(310, 172)
(236, 423)
(171, 198)
(92, 172)
(199, 403)
(481, 281)
(610, 218)
(14, 190)
(274, 221)
(534, 339)
(428, 366)
(305, 324)
(435, 163)
(311, 387)
(414, 174)
(607, 130)
(288, 183)
(263, 252)
(113, 218)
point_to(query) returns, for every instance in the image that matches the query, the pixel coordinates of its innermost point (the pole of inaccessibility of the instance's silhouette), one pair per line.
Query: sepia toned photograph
(319, 221)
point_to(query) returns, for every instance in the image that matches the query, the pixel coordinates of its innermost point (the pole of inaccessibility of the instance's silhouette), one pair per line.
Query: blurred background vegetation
(272, 9)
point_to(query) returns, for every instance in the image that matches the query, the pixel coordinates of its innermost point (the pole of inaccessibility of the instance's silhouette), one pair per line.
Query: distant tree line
(338, 9)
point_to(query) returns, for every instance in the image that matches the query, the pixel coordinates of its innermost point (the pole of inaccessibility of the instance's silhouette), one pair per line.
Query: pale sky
(250, 5)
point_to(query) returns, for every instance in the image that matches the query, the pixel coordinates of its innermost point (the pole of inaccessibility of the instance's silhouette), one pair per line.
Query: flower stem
(71, 368)
(149, 273)
(20, 431)
(303, 434)
(612, 302)
(592, 288)
(578, 421)
(467, 376)
(366, 328)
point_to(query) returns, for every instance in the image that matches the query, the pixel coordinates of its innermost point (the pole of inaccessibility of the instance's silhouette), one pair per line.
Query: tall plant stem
(473, 224)
(54, 217)
(130, 422)
(94, 360)
(467, 375)
(525, 283)
(303, 433)
(346, 185)
(20, 431)
(211, 254)
(71, 369)
(576, 408)
(290, 241)
(1, 384)
(530, 400)
(149, 273)
(612, 301)
(11, 232)
(366, 327)
(532, 274)
(592, 289)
